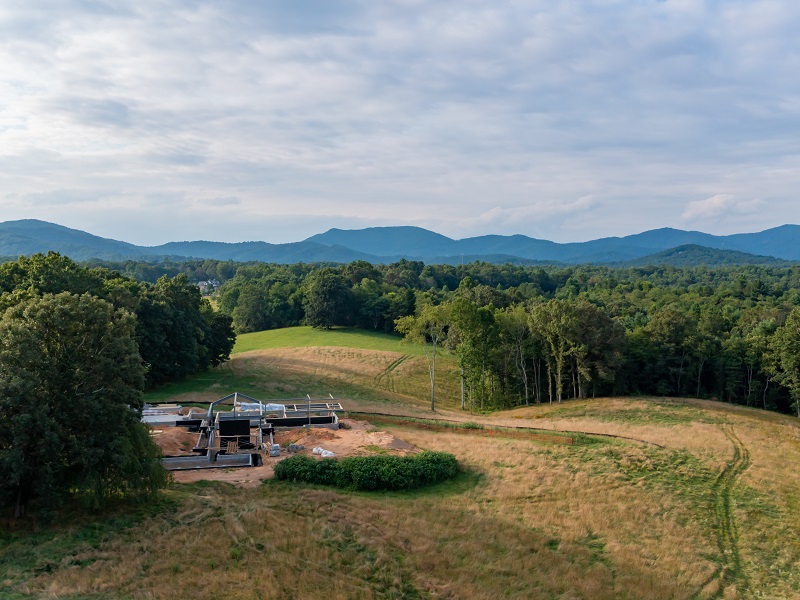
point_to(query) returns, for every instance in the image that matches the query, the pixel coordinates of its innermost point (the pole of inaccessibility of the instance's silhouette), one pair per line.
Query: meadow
(361, 366)
(651, 498)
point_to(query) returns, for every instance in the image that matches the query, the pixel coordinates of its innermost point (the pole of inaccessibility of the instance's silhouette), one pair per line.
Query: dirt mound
(305, 436)
(174, 441)
(355, 439)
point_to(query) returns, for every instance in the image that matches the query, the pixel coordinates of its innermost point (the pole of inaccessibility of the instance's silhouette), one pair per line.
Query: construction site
(238, 439)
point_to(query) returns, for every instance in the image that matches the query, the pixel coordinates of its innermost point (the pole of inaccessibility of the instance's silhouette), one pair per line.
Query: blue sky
(239, 120)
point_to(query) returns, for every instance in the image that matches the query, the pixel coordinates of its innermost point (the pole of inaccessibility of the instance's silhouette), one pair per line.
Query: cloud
(469, 117)
(66, 198)
(528, 217)
(720, 206)
(94, 112)
(228, 201)
(710, 208)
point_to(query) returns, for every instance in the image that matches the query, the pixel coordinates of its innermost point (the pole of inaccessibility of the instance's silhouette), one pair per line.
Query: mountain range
(389, 244)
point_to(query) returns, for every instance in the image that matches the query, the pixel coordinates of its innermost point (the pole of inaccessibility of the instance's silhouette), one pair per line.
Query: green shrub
(379, 472)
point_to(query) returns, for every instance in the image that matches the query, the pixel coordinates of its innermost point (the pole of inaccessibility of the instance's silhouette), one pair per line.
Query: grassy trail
(730, 571)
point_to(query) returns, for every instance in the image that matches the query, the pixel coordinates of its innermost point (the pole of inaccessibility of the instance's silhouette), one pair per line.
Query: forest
(539, 334)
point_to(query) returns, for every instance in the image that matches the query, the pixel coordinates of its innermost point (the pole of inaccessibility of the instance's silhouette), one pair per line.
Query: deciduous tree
(70, 404)
(328, 299)
(786, 349)
(429, 325)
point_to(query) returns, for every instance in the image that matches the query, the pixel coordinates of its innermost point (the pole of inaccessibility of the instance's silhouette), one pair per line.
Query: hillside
(390, 244)
(30, 236)
(693, 255)
(605, 498)
(388, 241)
(262, 251)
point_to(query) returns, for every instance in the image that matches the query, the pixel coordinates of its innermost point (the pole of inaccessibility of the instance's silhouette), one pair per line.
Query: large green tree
(476, 330)
(177, 332)
(550, 324)
(328, 299)
(70, 404)
(250, 313)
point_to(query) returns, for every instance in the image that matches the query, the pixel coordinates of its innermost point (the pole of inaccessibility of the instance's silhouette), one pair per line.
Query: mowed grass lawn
(304, 337)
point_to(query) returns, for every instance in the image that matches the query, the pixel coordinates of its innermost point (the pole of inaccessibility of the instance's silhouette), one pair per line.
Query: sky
(235, 120)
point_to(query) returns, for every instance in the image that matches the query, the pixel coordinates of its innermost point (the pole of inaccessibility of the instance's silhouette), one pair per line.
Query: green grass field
(304, 337)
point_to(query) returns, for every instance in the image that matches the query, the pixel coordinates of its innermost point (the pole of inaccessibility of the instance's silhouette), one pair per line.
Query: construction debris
(322, 452)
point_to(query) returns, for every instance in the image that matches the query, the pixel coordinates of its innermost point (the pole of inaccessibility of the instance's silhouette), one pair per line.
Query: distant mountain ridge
(779, 242)
(389, 244)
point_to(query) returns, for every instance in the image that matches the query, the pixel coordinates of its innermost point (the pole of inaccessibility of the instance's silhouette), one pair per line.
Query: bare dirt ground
(357, 440)
(174, 441)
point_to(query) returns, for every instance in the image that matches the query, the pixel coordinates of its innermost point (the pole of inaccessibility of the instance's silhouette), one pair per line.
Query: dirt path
(730, 571)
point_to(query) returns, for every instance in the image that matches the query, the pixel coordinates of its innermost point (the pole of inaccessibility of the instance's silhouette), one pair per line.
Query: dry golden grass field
(688, 499)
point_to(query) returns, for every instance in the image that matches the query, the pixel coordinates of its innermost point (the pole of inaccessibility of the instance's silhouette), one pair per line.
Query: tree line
(553, 349)
(531, 333)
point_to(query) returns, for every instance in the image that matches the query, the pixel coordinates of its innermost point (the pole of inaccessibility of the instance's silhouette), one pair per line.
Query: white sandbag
(317, 450)
(327, 454)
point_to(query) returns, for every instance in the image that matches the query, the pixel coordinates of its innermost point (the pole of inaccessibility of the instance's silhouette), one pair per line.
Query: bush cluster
(378, 472)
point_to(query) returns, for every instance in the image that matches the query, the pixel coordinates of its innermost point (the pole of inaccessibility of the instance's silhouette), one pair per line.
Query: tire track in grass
(386, 378)
(725, 526)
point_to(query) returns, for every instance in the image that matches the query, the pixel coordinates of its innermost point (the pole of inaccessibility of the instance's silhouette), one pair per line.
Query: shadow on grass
(220, 381)
(36, 546)
(203, 485)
